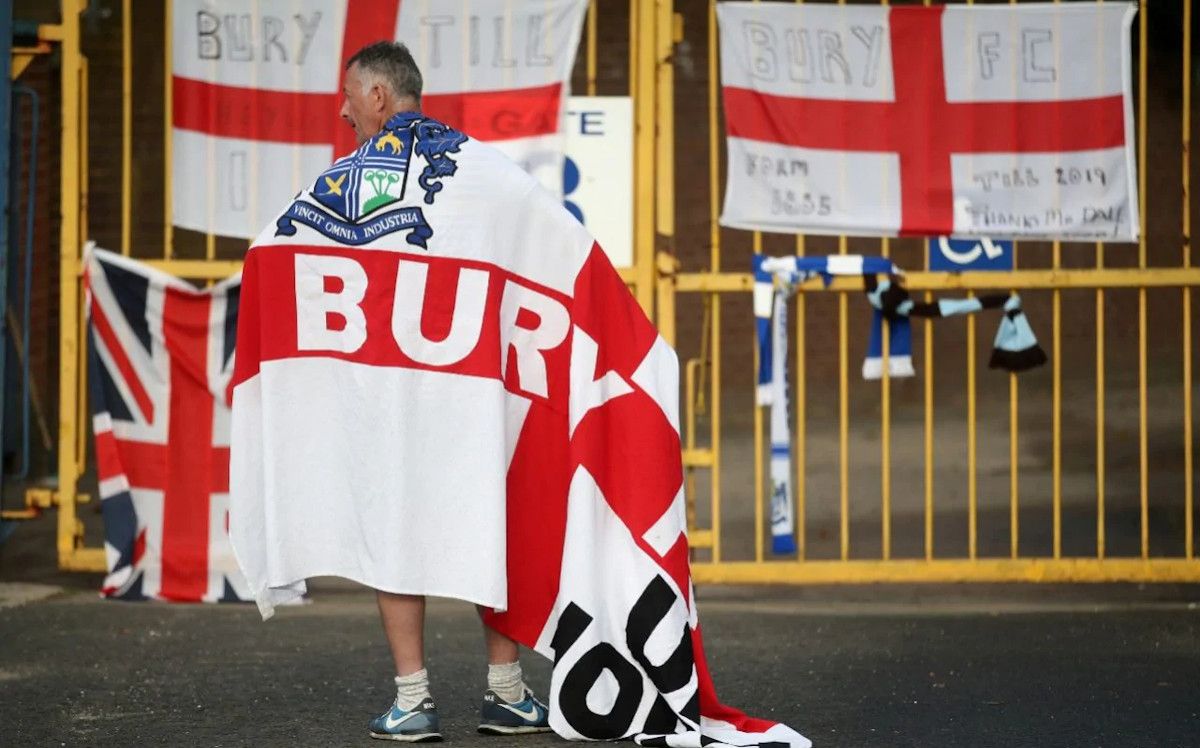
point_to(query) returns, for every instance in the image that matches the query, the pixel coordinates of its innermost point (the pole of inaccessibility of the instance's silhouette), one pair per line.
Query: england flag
(256, 90)
(972, 121)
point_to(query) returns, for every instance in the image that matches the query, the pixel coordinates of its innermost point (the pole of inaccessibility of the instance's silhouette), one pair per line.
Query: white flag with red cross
(256, 90)
(972, 121)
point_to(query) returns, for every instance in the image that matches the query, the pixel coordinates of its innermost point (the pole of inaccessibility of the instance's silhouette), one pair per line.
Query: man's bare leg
(404, 625)
(413, 716)
(500, 649)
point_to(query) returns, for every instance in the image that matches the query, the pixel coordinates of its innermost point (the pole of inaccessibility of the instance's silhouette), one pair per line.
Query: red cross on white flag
(973, 121)
(256, 89)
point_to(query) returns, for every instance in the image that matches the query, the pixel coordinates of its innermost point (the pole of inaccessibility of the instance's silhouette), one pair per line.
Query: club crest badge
(359, 198)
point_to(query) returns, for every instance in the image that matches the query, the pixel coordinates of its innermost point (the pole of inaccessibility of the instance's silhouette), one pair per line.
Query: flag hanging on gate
(256, 89)
(160, 357)
(971, 121)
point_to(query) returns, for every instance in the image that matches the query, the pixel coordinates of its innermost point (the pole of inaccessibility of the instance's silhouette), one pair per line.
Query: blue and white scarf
(775, 280)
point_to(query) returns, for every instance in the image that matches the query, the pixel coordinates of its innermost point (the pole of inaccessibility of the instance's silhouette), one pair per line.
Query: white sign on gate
(598, 171)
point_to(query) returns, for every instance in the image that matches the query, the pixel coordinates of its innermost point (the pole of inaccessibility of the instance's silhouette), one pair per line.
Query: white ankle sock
(507, 681)
(412, 689)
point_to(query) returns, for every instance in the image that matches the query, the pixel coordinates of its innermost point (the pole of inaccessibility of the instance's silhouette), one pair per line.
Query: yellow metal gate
(649, 28)
(1076, 519)
(958, 475)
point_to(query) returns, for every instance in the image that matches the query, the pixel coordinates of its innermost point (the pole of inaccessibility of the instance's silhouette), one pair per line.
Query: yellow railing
(653, 32)
(713, 561)
(711, 438)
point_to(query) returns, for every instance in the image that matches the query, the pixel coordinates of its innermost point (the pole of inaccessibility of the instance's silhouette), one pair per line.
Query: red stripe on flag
(103, 329)
(253, 113)
(219, 470)
(367, 21)
(108, 458)
(189, 450)
(997, 127)
(921, 126)
(305, 118)
(499, 115)
(143, 463)
(926, 182)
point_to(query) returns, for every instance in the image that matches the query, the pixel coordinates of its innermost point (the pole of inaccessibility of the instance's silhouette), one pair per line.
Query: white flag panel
(256, 86)
(974, 121)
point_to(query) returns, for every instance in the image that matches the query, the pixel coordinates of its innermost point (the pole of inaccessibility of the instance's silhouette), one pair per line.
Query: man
(443, 387)
(382, 80)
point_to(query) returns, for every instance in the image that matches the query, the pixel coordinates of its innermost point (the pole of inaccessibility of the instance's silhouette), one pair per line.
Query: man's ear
(378, 97)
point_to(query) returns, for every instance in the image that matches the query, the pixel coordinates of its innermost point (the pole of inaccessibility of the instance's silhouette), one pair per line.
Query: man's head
(381, 79)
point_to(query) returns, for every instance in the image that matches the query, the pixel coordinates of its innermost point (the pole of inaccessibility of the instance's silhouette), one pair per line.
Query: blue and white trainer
(418, 725)
(499, 717)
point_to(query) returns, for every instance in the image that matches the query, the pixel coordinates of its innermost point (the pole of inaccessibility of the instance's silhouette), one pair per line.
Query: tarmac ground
(980, 665)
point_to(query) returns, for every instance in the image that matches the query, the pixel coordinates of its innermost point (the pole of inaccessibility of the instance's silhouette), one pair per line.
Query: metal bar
(715, 429)
(714, 199)
(664, 119)
(1014, 519)
(644, 74)
(591, 47)
(759, 497)
(801, 418)
(84, 147)
(928, 431)
(1143, 442)
(1056, 407)
(10, 169)
(861, 571)
(81, 391)
(970, 281)
(83, 559)
(689, 440)
(81, 414)
(1100, 410)
(928, 417)
(1186, 214)
(844, 420)
(126, 126)
(885, 457)
(757, 247)
(758, 473)
(69, 248)
(1014, 514)
(197, 269)
(885, 429)
(972, 466)
(168, 141)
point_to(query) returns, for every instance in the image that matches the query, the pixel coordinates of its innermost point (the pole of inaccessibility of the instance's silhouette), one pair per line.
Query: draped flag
(454, 393)
(256, 90)
(775, 280)
(160, 357)
(973, 121)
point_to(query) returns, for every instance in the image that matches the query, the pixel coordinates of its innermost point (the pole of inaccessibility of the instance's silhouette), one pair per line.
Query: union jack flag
(160, 356)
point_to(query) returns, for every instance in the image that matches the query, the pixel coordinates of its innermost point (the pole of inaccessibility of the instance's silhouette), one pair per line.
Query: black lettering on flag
(662, 719)
(572, 697)
(571, 625)
(650, 609)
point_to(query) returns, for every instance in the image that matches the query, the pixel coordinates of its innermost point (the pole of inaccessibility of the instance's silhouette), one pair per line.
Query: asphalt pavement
(999, 665)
